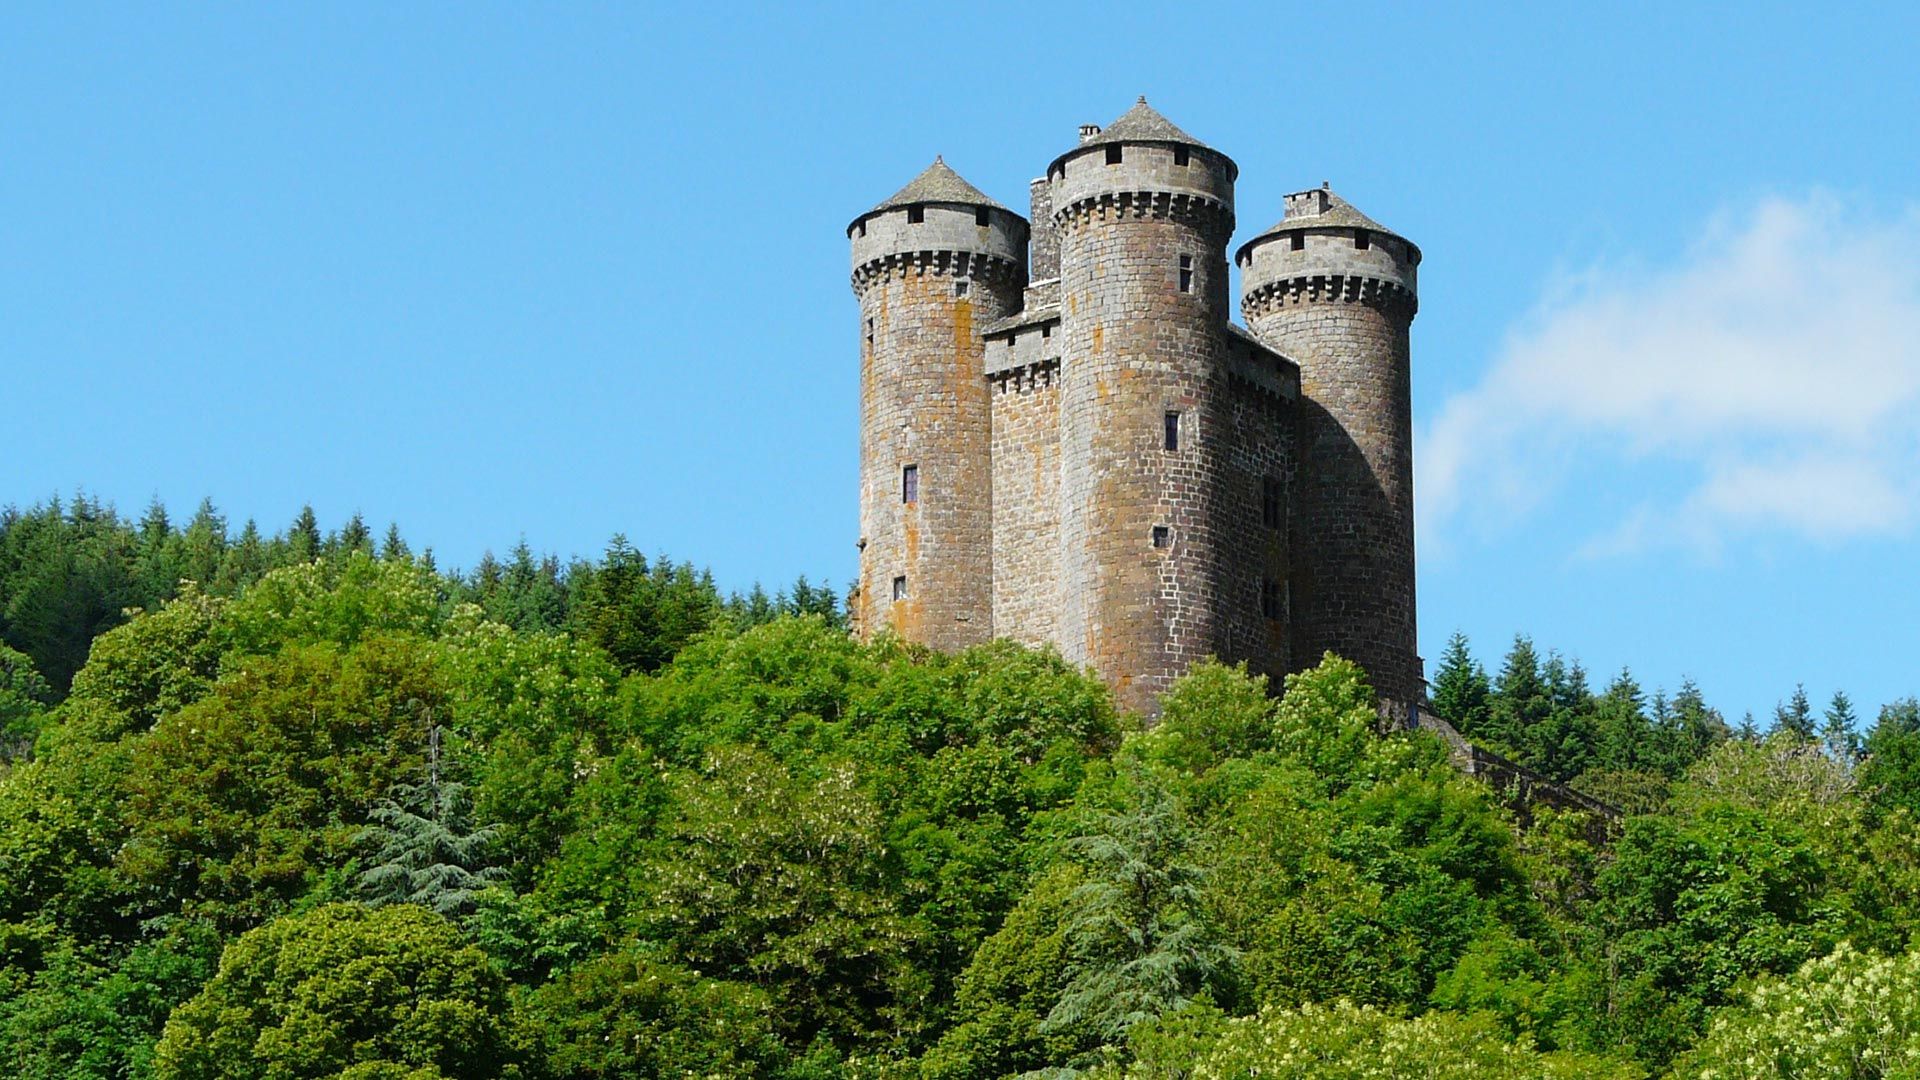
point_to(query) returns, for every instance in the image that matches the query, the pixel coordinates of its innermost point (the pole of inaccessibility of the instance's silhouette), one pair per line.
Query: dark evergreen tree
(1839, 734)
(1520, 701)
(394, 549)
(422, 846)
(304, 537)
(1796, 716)
(355, 536)
(1461, 690)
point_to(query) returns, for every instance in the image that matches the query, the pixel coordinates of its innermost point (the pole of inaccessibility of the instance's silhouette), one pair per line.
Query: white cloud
(1776, 368)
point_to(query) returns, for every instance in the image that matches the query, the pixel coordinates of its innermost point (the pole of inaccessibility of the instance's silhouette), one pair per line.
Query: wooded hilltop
(304, 805)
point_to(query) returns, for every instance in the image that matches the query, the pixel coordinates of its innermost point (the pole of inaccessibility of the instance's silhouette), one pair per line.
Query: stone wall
(1257, 450)
(1026, 491)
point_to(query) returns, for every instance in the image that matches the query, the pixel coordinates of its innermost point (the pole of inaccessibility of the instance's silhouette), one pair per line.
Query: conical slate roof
(937, 184)
(1143, 123)
(1339, 214)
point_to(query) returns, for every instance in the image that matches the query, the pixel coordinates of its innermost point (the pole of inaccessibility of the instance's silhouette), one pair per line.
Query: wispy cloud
(1776, 368)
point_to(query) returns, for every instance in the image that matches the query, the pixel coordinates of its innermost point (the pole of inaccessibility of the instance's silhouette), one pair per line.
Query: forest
(305, 805)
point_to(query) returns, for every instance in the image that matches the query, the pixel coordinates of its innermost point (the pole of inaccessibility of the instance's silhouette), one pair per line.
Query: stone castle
(1065, 440)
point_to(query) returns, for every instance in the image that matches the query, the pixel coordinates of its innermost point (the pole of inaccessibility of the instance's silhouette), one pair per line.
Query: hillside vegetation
(307, 807)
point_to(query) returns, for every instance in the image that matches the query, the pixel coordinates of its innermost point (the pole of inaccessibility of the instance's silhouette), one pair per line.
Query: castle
(1065, 440)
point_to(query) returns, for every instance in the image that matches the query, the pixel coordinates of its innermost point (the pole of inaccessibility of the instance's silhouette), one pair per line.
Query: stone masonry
(1097, 459)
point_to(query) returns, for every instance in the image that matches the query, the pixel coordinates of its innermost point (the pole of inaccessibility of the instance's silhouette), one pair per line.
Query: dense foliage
(323, 811)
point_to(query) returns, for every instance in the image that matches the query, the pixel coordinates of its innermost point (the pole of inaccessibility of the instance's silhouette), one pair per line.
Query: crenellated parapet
(992, 270)
(1390, 297)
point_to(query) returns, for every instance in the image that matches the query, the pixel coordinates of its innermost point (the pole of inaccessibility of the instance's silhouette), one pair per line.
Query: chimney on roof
(1088, 131)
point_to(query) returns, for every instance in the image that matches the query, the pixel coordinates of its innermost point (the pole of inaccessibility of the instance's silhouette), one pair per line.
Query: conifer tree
(423, 847)
(304, 537)
(1796, 716)
(1838, 733)
(1460, 687)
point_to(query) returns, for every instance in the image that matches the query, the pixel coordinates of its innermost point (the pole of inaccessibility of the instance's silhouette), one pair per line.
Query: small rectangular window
(960, 287)
(1270, 504)
(1046, 331)
(916, 214)
(1161, 537)
(900, 588)
(1113, 154)
(1179, 155)
(910, 484)
(863, 227)
(1362, 239)
(869, 331)
(1270, 598)
(1173, 431)
(1299, 241)
(980, 215)
(1186, 273)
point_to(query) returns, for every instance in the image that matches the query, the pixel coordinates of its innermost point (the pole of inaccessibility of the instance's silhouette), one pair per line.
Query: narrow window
(1270, 503)
(910, 484)
(1046, 331)
(980, 215)
(1161, 538)
(1179, 155)
(960, 287)
(863, 226)
(1269, 598)
(1299, 241)
(1173, 431)
(869, 331)
(1361, 239)
(916, 214)
(1186, 273)
(900, 588)
(1113, 154)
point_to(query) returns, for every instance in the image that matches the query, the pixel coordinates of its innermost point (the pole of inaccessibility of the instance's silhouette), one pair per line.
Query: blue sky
(493, 272)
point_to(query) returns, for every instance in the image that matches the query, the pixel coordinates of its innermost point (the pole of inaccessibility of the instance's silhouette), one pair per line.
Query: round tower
(932, 266)
(1142, 212)
(1336, 292)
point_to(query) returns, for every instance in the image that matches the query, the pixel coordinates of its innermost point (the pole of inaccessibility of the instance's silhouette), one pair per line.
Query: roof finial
(1143, 99)
(938, 160)
(1326, 185)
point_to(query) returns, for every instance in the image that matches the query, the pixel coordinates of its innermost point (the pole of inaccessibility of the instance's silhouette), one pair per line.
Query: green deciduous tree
(1848, 1015)
(628, 1015)
(341, 987)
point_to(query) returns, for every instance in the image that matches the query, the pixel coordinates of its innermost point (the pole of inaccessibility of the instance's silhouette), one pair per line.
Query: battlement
(1323, 238)
(1390, 297)
(938, 224)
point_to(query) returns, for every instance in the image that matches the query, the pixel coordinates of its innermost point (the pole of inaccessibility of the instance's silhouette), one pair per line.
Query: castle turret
(1336, 292)
(931, 266)
(1141, 214)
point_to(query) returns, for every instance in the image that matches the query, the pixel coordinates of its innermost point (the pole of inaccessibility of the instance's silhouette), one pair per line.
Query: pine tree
(1839, 734)
(394, 549)
(1520, 700)
(1796, 717)
(1138, 946)
(1460, 687)
(304, 537)
(422, 845)
(355, 536)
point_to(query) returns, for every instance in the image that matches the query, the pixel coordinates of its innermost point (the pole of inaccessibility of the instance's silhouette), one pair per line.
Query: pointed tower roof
(937, 183)
(1143, 123)
(1321, 208)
